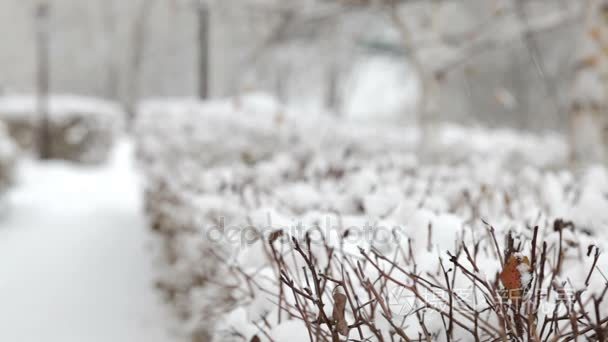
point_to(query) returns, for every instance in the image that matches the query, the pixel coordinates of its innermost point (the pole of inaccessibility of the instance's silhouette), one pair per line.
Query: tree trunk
(43, 79)
(110, 37)
(203, 51)
(332, 94)
(139, 43)
(589, 98)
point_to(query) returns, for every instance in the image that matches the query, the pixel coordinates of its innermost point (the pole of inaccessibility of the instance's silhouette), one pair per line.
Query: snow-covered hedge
(8, 158)
(81, 129)
(278, 225)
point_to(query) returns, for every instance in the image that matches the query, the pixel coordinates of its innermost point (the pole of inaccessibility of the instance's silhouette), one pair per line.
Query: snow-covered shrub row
(80, 129)
(8, 158)
(267, 216)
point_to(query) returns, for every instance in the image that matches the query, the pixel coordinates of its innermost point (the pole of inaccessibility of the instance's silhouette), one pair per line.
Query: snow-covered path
(73, 258)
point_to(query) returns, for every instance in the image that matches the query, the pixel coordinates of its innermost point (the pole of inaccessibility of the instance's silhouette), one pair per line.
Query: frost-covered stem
(316, 282)
(541, 276)
(355, 312)
(533, 253)
(560, 254)
(492, 233)
(417, 294)
(596, 257)
(600, 331)
(303, 313)
(43, 78)
(450, 330)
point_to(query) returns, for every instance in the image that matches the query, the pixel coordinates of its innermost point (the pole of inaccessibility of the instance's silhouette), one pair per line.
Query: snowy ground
(73, 259)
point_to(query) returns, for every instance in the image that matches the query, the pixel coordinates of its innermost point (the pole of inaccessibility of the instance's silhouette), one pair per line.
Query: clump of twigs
(434, 274)
(371, 296)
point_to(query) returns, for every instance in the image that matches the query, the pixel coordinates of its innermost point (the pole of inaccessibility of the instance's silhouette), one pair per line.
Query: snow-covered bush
(80, 129)
(278, 225)
(8, 158)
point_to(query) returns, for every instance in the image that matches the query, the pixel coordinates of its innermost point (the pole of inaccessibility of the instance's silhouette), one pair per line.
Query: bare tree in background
(203, 48)
(335, 66)
(291, 40)
(332, 93)
(43, 78)
(109, 24)
(435, 53)
(588, 117)
(423, 34)
(425, 37)
(138, 40)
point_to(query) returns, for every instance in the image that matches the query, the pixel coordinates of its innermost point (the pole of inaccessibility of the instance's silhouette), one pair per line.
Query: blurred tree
(203, 48)
(298, 47)
(138, 44)
(451, 36)
(43, 77)
(110, 33)
(588, 116)
(498, 62)
(510, 54)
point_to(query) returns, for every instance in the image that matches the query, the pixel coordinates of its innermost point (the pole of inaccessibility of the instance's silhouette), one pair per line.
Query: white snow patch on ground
(73, 259)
